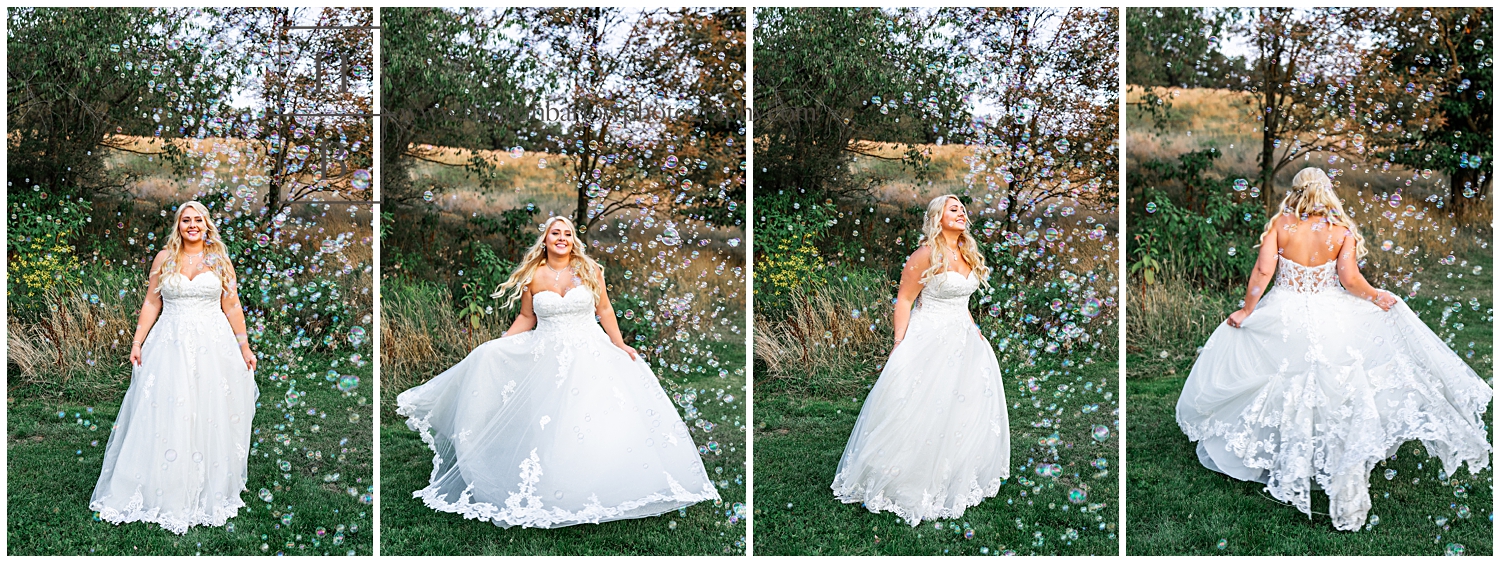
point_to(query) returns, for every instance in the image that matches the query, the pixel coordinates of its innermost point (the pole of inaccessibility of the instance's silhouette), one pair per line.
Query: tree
(1445, 55)
(451, 78)
(634, 89)
(829, 82)
(1178, 48)
(312, 124)
(1303, 58)
(1052, 78)
(78, 78)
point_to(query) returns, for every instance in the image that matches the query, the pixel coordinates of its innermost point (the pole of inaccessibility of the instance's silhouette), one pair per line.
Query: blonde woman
(933, 437)
(1314, 383)
(178, 451)
(558, 421)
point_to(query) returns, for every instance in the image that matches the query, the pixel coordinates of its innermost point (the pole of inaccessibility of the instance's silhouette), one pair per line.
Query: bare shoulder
(161, 256)
(921, 259)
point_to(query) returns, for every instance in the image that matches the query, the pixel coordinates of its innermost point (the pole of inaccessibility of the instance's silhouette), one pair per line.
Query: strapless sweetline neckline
(195, 278)
(563, 295)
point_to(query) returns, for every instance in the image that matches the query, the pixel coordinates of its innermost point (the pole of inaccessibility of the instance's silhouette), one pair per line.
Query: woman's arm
(1354, 282)
(606, 313)
(229, 302)
(1260, 275)
(911, 286)
(525, 320)
(150, 309)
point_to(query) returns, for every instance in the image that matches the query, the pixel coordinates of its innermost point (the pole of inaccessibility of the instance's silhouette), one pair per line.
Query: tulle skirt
(933, 436)
(178, 453)
(1315, 388)
(548, 428)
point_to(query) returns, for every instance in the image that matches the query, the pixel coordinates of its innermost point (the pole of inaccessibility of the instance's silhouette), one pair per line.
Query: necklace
(556, 274)
(193, 258)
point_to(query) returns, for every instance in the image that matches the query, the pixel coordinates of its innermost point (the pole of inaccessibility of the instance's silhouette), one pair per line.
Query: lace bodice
(948, 293)
(1292, 276)
(180, 295)
(571, 310)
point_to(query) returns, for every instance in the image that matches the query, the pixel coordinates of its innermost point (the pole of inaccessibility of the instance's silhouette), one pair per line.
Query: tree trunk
(1465, 207)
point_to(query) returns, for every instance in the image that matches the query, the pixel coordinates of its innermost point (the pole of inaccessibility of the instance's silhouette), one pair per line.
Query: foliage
(40, 242)
(828, 81)
(1178, 47)
(79, 82)
(1052, 76)
(1444, 50)
(655, 114)
(1208, 233)
(788, 235)
(452, 77)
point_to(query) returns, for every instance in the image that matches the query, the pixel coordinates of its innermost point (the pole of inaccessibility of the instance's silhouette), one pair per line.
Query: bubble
(427, 195)
(1241, 185)
(360, 180)
(348, 382)
(1100, 433)
(265, 495)
(1222, 544)
(1453, 549)
(517, 152)
(1387, 245)
(170, 455)
(1090, 307)
(1077, 496)
(1390, 474)
(1150, 207)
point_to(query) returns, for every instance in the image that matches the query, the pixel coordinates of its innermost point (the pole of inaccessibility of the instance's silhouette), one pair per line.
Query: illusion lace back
(933, 437)
(1295, 277)
(1317, 386)
(178, 452)
(553, 427)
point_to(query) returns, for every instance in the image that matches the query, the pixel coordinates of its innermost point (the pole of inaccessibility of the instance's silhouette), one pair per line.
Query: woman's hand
(135, 353)
(628, 350)
(248, 356)
(1384, 299)
(1237, 318)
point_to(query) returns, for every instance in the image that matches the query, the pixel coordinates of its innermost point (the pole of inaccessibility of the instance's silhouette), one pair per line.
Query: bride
(558, 421)
(1315, 383)
(933, 437)
(178, 450)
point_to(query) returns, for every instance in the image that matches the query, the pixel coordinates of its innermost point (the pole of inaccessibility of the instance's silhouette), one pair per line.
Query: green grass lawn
(707, 528)
(798, 442)
(54, 462)
(1175, 506)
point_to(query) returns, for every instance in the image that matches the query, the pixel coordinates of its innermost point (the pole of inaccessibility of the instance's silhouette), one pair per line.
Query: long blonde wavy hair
(1312, 194)
(932, 231)
(584, 267)
(215, 254)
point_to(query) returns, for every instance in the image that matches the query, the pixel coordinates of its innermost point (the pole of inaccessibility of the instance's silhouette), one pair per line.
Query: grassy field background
(1177, 507)
(798, 442)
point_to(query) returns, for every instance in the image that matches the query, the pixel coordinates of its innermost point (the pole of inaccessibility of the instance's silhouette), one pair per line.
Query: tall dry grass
(819, 345)
(1202, 117)
(81, 348)
(421, 334)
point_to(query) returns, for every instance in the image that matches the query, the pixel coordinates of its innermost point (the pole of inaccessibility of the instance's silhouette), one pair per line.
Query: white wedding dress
(553, 427)
(178, 451)
(1318, 385)
(933, 437)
